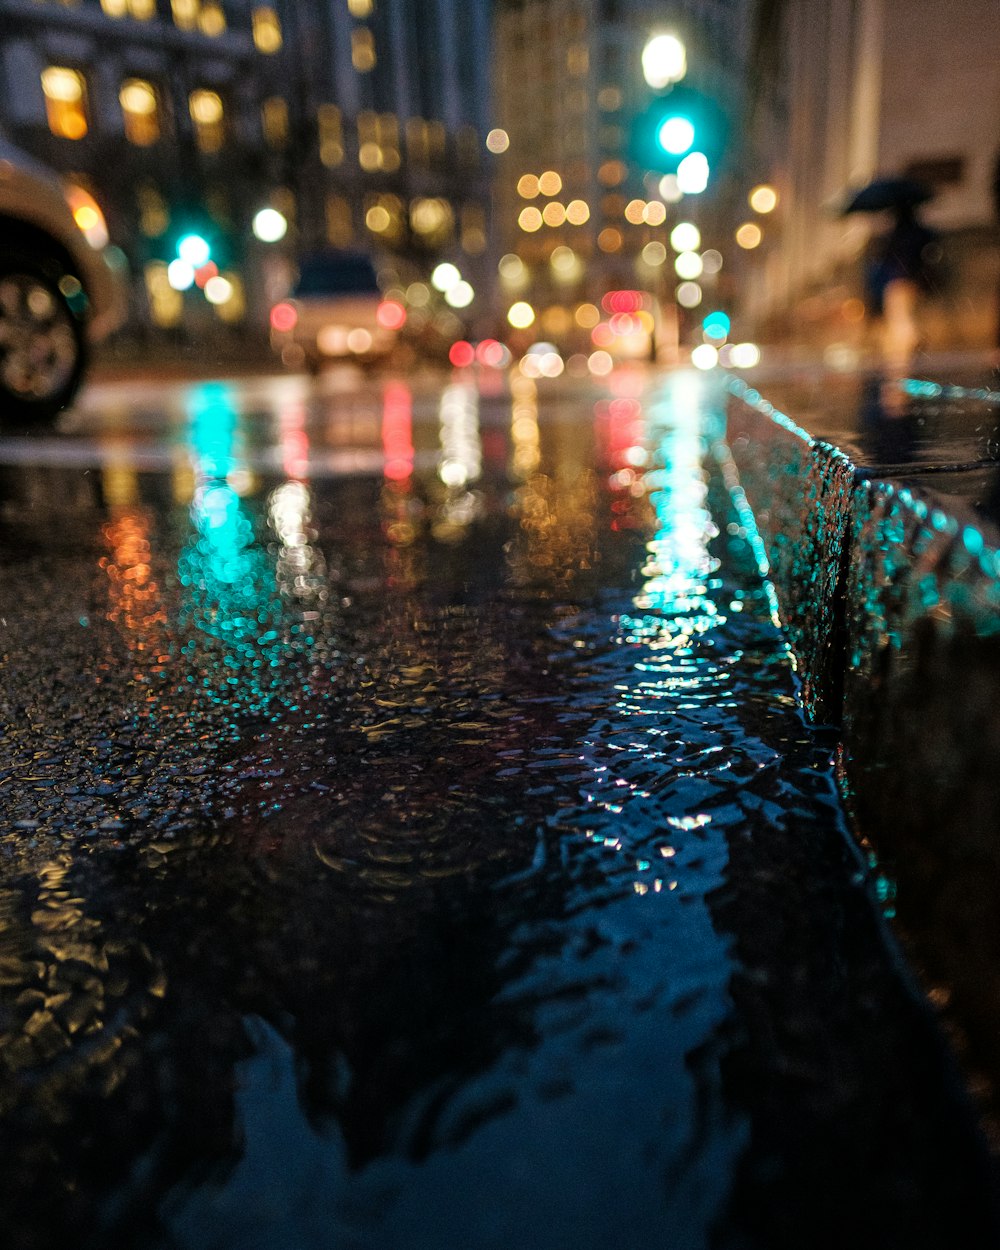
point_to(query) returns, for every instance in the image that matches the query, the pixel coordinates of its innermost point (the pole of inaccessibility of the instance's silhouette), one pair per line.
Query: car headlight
(87, 215)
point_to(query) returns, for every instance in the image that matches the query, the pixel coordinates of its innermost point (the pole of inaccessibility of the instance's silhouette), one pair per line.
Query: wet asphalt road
(409, 838)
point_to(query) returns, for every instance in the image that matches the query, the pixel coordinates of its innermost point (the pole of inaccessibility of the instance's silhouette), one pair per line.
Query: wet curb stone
(891, 600)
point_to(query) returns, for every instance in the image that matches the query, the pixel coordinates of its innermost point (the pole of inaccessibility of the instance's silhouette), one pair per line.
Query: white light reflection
(461, 447)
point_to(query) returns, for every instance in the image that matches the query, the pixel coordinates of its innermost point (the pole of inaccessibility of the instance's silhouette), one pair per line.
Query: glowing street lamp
(664, 61)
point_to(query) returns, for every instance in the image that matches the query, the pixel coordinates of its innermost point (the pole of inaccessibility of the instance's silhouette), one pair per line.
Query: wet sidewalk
(878, 503)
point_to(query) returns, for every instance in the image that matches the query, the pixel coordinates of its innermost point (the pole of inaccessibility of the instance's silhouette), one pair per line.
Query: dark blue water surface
(437, 856)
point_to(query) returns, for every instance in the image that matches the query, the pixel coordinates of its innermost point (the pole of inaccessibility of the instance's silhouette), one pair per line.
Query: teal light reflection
(230, 603)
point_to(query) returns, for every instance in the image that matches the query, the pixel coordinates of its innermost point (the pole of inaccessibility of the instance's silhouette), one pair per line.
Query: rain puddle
(441, 859)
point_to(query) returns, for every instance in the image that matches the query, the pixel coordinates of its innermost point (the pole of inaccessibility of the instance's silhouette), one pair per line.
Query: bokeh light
(693, 173)
(269, 225)
(689, 295)
(445, 276)
(763, 199)
(685, 237)
(520, 315)
(498, 140)
(688, 265)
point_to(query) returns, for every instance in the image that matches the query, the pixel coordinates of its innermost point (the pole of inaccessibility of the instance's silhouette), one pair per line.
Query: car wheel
(42, 351)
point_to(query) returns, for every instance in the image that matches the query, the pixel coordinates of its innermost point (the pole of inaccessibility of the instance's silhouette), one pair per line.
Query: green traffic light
(675, 135)
(194, 249)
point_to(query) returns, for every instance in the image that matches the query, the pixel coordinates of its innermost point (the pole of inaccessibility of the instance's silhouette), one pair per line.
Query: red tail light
(283, 318)
(391, 315)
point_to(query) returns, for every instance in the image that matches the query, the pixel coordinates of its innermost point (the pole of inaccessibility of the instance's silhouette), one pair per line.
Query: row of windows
(206, 16)
(68, 116)
(385, 216)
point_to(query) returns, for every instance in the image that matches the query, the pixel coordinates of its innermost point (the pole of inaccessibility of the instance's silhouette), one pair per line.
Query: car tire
(42, 345)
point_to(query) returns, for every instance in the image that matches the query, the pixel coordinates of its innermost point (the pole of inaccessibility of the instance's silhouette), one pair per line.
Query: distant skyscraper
(573, 202)
(183, 116)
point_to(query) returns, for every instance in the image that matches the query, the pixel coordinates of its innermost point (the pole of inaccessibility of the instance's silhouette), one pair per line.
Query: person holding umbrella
(900, 264)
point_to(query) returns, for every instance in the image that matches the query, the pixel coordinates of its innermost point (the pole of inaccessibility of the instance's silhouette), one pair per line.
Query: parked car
(336, 311)
(58, 294)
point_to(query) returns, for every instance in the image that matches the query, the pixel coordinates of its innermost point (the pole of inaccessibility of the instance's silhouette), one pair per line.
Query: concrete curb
(892, 606)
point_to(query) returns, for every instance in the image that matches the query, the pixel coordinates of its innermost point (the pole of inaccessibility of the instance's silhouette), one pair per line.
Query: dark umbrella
(886, 193)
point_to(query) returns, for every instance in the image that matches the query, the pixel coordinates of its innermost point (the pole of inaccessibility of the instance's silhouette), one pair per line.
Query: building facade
(357, 120)
(579, 214)
(864, 89)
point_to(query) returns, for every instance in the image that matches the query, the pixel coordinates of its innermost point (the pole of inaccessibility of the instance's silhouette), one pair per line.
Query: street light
(664, 61)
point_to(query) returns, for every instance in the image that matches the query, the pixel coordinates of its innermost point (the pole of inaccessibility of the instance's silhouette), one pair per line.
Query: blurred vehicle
(58, 294)
(630, 329)
(336, 312)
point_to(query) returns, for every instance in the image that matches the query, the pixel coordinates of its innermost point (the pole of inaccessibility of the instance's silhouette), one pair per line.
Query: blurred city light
(685, 237)
(269, 225)
(688, 265)
(669, 189)
(689, 295)
(749, 235)
(180, 275)
(461, 354)
(664, 61)
(218, 289)
(711, 261)
(194, 249)
(284, 317)
(498, 140)
(763, 199)
(654, 253)
(520, 315)
(391, 315)
(460, 295)
(693, 173)
(716, 325)
(445, 276)
(744, 355)
(675, 135)
(704, 356)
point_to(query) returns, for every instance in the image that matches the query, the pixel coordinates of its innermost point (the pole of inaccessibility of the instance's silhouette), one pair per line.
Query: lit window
(578, 59)
(212, 20)
(359, 8)
(166, 305)
(362, 49)
(65, 101)
(331, 135)
(274, 115)
(339, 227)
(185, 13)
(141, 111)
(387, 128)
(154, 216)
(369, 146)
(207, 114)
(143, 10)
(266, 30)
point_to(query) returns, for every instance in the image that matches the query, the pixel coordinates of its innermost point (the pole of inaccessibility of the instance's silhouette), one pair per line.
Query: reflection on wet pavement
(410, 838)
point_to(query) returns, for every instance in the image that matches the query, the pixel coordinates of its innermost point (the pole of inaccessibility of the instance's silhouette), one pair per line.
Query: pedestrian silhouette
(900, 264)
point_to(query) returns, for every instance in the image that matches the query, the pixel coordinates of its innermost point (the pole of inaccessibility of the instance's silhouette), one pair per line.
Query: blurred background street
(499, 586)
